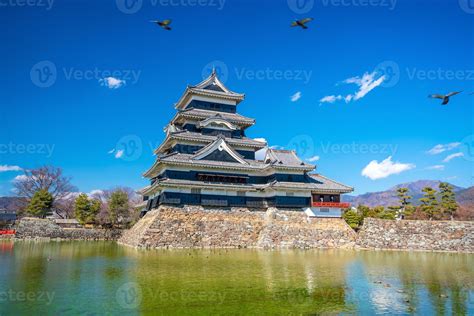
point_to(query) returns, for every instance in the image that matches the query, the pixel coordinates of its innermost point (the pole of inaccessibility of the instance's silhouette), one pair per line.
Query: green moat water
(103, 278)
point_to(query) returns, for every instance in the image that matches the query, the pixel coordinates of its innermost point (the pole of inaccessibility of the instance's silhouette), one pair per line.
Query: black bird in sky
(445, 98)
(164, 24)
(302, 22)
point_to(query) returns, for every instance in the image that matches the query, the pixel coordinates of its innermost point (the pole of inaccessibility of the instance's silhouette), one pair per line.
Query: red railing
(332, 204)
(7, 232)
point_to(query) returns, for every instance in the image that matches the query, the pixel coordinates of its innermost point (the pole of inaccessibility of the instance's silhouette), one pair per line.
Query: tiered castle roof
(207, 137)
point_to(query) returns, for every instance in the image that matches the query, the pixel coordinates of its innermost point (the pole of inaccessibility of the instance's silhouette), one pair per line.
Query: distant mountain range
(10, 203)
(464, 197)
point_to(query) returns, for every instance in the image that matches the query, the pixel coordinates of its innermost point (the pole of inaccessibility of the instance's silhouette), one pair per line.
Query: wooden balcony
(331, 204)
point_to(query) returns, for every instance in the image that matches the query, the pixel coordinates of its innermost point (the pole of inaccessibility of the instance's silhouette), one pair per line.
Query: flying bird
(445, 98)
(302, 22)
(164, 24)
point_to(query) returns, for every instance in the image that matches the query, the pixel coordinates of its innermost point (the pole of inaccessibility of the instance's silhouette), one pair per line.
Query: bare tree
(46, 178)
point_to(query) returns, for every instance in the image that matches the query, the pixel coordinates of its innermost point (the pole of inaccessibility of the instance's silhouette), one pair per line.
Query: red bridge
(7, 232)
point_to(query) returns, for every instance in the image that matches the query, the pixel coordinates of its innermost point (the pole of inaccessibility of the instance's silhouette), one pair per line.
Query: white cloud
(330, 99)
(5, 168)
(452, 156)
(260, 139)
(112, 83)
(366, 83)
(375, 170)
(313, 159)
(435, 167)
(295, 97)
(119, 153)
(21, 177)
(440, 148)
(111, 151)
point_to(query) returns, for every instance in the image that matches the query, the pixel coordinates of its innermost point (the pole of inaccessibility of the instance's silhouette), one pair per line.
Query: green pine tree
(404, 198)
(118, 206)
(94, 211)
(41, 203)
(429, 203)
(448, 200)
(352, 218)
(86, 210)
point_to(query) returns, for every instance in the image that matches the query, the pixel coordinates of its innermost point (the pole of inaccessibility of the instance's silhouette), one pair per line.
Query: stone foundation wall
(417, 235)
(198, 227)
(294, 229)
(34, 228)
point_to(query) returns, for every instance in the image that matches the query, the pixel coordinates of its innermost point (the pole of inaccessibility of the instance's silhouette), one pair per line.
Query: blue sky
(60, 105)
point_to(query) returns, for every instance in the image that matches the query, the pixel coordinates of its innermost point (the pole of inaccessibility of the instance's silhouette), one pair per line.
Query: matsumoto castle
(207, 160)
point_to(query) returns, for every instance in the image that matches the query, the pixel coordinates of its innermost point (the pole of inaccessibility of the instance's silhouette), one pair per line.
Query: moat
(97, 278)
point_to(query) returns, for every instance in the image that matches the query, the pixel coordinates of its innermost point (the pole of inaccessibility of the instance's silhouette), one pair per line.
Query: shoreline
(273, 229)
(354, 248)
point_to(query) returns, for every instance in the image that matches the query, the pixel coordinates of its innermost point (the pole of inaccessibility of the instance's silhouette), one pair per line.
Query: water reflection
(104, 278)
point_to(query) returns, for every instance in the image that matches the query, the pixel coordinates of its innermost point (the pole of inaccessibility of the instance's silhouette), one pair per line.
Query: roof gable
(219, 150)
(213, 83)
(210, 87)
(284, 157)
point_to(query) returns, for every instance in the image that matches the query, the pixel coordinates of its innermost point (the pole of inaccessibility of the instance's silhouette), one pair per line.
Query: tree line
(45, 191)
(434, 205)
